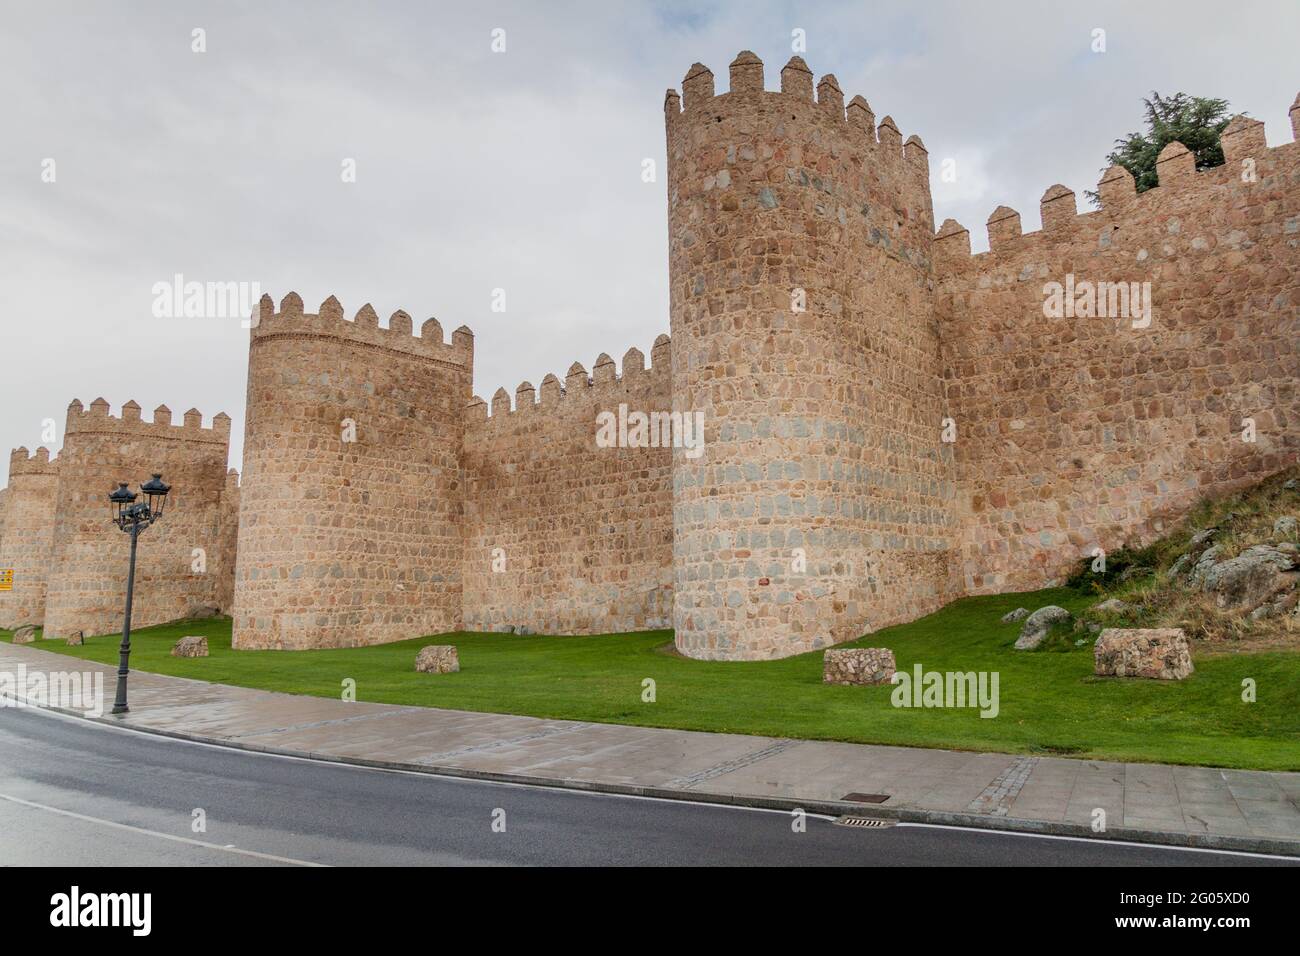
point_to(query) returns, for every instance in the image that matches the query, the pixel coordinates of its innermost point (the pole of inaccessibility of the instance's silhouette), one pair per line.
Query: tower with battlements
(28, 535)
(180, 561)
(889, 422)
(803, 327)
(352, 497)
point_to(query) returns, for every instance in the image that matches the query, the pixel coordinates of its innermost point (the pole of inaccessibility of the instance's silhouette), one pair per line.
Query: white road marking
(1094, 841)
(229, 848)
(433, 772)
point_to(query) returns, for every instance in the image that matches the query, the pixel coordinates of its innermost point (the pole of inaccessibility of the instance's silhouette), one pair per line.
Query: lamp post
(133, 517)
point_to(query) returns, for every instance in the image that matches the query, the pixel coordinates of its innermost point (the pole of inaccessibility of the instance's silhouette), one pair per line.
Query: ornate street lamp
(133, 517)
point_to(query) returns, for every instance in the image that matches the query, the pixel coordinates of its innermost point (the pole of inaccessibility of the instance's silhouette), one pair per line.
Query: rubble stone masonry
(352, 496)
(180, 557)
(802, 321)
(563, 535)
(1084, 432)
(889, 421)
(28, 535)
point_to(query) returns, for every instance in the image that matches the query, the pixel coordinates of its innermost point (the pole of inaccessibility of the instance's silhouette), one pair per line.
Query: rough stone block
(438, 659)
(191, 646)
(858, 665)
(1159, 653)
(25, 634)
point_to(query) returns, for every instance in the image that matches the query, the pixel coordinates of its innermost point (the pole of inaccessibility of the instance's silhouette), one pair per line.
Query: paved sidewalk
(1197, 806)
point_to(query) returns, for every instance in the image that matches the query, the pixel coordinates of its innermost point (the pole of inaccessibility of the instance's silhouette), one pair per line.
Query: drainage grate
(874, 823)
(866, 797)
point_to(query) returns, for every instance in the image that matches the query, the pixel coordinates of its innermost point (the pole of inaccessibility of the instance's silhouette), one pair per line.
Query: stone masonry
(28, 535)
(562, 536)
(353, 496)
(180, 561)
(1158, 653)
(858, 665)
(1086, 432)
(889, 421)
(800, 240)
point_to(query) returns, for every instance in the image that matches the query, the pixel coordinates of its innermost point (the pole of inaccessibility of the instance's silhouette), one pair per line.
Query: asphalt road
(80, 794)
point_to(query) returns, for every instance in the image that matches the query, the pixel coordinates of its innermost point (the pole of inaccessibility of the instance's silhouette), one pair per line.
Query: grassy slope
(1050, 702)
(1142, 576)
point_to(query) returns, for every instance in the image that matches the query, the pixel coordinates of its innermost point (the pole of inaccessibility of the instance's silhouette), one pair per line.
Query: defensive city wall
(855, 421)
(69, 562)
(28, 535)
(1083, 431)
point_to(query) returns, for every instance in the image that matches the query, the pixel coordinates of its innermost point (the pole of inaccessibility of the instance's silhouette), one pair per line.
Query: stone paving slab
(1201, 806)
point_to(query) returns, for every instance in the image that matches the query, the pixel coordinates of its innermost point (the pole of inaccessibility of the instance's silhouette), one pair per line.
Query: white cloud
(478, 170)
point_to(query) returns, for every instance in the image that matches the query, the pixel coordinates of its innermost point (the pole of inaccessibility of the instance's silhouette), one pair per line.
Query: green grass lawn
(1050, 701)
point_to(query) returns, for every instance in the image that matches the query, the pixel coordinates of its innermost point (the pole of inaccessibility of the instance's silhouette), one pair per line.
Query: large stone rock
(75, 639)
(438, 659)
(1204, 562)
(858, 665)
(1285, 527)
(1113, 606)
(1019, 614)
(191, 646)
(1159, 653)
(204, 612)
(25, 634)
(1038, 624)
(1252, 578)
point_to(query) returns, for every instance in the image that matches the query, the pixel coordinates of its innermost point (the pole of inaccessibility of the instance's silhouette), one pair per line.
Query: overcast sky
(478, 170)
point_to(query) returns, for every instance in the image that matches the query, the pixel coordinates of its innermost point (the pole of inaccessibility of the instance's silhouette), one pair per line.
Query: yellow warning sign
(6, 579)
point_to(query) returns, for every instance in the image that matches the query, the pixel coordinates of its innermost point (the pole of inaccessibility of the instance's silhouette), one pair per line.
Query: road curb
(1199, 841)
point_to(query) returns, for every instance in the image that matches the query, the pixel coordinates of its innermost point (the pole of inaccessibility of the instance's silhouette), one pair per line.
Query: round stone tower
(351, 495)
(803, 329)
(28, 535)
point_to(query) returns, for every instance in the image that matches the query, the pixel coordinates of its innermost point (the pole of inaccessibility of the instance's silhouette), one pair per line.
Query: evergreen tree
(1195, 121)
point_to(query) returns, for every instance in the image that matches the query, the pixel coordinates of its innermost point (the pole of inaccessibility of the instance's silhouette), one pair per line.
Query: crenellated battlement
(700, 100)
(1062, 221)
(97, 419)
(604, 379)
(38, 462)
(364, 329)
(825, 341)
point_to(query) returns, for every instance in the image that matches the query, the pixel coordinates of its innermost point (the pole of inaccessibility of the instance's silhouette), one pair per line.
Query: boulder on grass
(1112, 606)
(1285, 527)
(858, 665)
(1019, 614)
(1252, 578)
(438, 659)
(1038, 624)
(25, 634)
(191, 646)
(75, 639)
(1158, 653)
